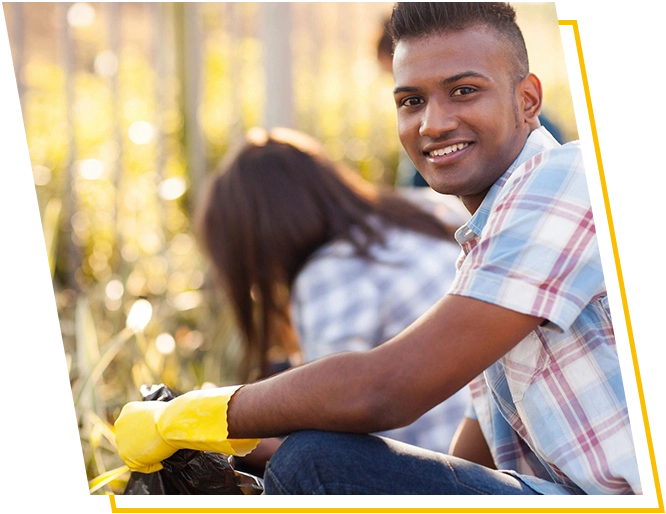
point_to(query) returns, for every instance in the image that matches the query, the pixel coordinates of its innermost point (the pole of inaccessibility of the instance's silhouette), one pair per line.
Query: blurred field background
(128, 106)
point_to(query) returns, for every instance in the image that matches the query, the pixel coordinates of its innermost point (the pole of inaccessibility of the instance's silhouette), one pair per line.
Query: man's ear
(531, 95)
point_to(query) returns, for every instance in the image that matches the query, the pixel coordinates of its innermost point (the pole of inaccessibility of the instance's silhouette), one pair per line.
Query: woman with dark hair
(315, 260)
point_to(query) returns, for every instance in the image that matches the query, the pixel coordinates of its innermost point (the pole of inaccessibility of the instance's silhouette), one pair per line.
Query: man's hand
(149, 432)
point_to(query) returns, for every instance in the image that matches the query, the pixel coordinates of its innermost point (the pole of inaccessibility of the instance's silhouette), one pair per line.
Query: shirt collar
(537, 142)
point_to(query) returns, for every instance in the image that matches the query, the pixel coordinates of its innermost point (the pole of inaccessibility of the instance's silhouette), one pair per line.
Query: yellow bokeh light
(41, 175)
(139, 315)
(187, 300)
(114, 289)
(106, 63)
(80, 14)
(172, 188)
(90, 169)
(165, 343)
(141, 132)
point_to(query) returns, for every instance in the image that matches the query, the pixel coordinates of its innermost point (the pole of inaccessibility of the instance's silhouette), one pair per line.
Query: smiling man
(526, 322)
(466, 105)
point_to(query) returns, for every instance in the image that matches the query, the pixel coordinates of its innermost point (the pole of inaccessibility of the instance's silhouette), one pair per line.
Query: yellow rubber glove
(149, 432)
(139, 442)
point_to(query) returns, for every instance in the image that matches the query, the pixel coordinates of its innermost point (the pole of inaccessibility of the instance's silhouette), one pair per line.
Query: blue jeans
(312, 462)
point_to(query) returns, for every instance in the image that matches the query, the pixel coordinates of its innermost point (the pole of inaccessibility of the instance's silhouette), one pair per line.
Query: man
(526, 320)
(407, 174)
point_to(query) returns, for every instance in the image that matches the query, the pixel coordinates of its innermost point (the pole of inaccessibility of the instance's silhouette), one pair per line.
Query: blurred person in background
(315, 261)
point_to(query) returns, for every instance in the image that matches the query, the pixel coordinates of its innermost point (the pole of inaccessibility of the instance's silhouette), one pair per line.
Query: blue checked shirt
(342, 302)
(552, 409)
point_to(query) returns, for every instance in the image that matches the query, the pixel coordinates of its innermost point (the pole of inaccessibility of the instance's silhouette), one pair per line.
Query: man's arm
(389, 386)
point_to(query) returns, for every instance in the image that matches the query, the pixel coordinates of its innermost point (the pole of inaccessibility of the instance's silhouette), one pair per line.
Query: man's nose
(437, 120)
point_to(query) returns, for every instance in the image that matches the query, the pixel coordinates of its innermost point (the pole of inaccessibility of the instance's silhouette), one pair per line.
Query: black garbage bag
(192, 471)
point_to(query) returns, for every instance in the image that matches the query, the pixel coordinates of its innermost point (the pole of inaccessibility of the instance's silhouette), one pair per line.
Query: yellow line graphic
(612, 236)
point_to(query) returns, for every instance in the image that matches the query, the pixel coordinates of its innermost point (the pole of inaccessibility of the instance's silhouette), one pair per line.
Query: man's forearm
(387, 387)
(332, 393)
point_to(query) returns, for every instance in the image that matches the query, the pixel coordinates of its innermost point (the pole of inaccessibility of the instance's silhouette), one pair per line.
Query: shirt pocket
(523, 363)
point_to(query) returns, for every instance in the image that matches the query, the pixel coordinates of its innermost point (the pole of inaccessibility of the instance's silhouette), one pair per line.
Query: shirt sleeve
(538, 252)
(335, 306)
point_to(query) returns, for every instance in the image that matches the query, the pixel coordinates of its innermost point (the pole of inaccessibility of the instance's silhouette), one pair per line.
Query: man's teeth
(448, 149)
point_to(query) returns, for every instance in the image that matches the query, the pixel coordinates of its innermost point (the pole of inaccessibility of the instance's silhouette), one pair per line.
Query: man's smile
(447, 150)
(444, 154)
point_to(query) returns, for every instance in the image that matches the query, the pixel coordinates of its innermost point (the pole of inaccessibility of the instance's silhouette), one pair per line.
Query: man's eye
(462, 91)
(412, 101)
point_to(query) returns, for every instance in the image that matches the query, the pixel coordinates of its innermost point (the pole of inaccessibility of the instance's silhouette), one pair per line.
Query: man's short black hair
(423, 19)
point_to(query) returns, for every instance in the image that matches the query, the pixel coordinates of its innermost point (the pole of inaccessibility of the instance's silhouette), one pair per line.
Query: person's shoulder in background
(448, 208)
(552, 127)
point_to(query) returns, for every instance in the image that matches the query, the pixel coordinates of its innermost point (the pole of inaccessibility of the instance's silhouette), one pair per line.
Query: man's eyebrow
(463, 75)
(405, 89)
(444, 82)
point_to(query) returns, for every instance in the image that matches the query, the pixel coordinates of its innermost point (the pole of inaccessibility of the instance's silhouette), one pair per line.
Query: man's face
(462, 116)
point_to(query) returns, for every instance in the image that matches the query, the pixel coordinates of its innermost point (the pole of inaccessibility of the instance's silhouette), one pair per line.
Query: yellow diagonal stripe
(612, 236)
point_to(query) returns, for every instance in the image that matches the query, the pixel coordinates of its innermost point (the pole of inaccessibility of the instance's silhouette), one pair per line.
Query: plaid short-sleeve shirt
(553, 408)
(343, 302)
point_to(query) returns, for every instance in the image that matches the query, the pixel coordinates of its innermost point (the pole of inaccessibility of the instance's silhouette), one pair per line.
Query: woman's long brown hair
(273, 203)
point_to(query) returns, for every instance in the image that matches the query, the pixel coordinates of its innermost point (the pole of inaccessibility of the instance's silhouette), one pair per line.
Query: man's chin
(442, 187)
